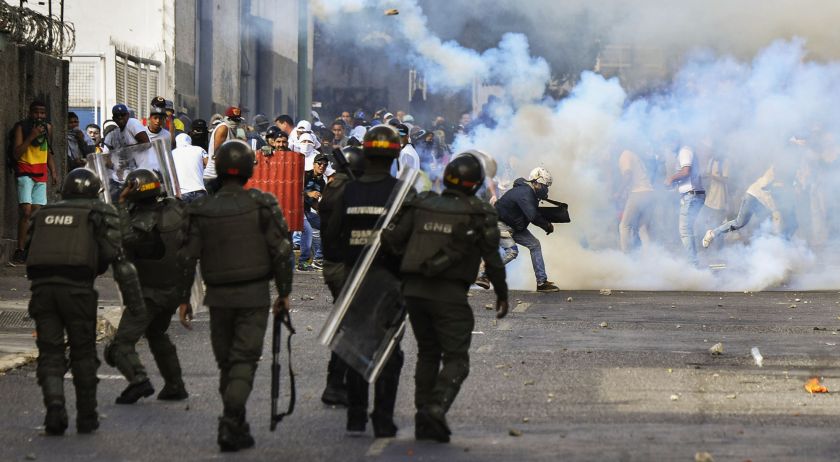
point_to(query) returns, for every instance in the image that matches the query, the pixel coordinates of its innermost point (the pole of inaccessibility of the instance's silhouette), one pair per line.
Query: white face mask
(307, 148)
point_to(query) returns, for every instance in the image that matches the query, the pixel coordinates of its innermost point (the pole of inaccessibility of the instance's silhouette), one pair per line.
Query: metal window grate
(82, 91)
(15, 319)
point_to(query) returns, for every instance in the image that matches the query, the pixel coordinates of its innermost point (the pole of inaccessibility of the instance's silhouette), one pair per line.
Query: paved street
(626, 376)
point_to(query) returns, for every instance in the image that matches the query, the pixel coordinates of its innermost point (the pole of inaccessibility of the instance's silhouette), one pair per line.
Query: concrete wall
(28, 75)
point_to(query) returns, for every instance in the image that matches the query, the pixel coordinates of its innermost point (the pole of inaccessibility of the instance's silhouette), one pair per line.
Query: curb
(106, 327)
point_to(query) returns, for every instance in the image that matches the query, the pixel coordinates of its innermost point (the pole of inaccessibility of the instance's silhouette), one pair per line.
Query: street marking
(377, 447)
(69, 375)
(521, 308)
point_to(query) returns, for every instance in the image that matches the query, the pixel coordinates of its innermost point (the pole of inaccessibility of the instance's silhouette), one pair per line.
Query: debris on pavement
(759, 360)
(813, 386)
(309, 328)
(514, 432)
(525, 420)
(675, 397)
(703, 457)
(603, 325)
(732, 396)
(605, 292)
(392, 12)
(570, 299)
(489, 306)
(716, 349)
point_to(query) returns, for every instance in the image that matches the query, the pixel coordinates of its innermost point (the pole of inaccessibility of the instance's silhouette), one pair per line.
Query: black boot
(383, 426)
(356, 421)
(334, 395)
(430, 424)
(56, 420)
(173, 392)
(135, 391)
(234, 434)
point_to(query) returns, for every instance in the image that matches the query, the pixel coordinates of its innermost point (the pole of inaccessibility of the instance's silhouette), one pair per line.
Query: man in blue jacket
(517, 209)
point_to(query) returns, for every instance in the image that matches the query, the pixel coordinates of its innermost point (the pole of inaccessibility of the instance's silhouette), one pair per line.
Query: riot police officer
(442, 240)
(69, 244)
(153, 233)
(242, 240)
(335, 271)
(351, 224)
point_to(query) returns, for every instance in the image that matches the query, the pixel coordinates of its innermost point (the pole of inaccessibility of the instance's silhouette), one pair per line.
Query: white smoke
(737, 94)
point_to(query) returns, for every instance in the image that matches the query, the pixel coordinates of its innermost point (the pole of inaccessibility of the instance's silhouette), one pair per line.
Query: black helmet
(355, 159)
(464, 174)
(235, 158)
(81, 183)
(382, 141)
(144, 183)
(272, 132)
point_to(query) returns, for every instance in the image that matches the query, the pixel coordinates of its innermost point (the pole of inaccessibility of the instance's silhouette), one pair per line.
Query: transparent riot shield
(99, 163)
(368, 317)
(155, 156)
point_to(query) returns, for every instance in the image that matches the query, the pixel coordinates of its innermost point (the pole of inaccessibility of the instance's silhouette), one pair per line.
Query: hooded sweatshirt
(519, 207)
(189, 164)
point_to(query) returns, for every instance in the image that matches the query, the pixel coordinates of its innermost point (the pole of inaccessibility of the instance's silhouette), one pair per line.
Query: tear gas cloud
(743, 89)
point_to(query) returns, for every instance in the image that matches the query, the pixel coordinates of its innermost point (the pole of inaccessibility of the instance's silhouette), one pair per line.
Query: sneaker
(18, 258)
(305, 267)
(482, 282)
(56, 420)
(547, 286)
(318, 264)
(172, 392)
(135, 391)
(708, 238)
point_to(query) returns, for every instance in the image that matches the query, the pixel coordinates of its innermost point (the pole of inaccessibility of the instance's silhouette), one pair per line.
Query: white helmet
(541, 176)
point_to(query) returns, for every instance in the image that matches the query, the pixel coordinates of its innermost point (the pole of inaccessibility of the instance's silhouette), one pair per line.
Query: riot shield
(368, 317)
(99, 163)
(281, 173)
(155, 156)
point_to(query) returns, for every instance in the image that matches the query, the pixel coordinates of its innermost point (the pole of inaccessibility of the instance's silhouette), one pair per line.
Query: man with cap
(158, 118)
(310, 241)
(408, 155)
(355, 215)
(63, 297)
(131, 132)
(228, 130)
(199, 134)
(242, 240)
(441, 240)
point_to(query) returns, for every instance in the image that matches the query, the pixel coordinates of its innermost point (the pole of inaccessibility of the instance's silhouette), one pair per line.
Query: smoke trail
(730, 98)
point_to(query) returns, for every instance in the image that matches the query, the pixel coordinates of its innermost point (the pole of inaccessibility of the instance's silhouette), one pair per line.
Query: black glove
(501, 308)
(549, 229)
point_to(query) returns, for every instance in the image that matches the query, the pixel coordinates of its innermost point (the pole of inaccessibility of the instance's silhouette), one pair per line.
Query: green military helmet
(382, 141)
(144, 183)
(235, 158)
(81, 183)
(464, 173)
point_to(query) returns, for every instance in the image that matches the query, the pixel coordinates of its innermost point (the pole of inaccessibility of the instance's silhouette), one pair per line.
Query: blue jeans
(749, 207)
(529, 241)
(310, 239)
(193, 195)
(690, 206)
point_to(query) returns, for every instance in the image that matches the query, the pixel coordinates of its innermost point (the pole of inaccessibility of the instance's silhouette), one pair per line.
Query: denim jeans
(749, 206)
(193, 195)
(690, 206)
(529, 241)
(636, 215)
(310, 239)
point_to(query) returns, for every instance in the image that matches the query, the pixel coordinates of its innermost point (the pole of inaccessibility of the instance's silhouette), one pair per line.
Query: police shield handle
(185, 314)
(501, 308)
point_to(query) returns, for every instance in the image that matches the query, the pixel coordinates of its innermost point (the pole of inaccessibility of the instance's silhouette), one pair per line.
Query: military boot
(335, 394)
(173, 392)
(356, 421)
(383, 425)
(430, 424)
(56, 420)
(234, 434)
(87, 419)
(166, 358)
(134, 391)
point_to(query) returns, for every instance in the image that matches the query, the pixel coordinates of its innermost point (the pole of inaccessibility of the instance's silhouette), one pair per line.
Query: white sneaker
(708, 238)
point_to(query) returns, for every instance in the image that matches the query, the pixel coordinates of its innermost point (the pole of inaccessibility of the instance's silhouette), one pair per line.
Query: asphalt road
(626, 376)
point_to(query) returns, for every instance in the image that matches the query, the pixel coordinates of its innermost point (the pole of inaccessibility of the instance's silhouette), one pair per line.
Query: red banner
(281, 174)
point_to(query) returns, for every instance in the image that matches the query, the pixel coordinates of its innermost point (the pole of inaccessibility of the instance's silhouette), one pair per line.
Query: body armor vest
(63, 236)
(158, 266)
(233, 247)
(443, 243)
(364, 205)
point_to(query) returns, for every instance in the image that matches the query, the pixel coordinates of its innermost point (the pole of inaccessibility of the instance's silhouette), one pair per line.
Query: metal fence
(46, 34)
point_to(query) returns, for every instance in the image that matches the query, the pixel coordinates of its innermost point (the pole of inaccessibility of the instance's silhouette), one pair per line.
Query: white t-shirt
(408, 159)
(146, 159)
(692, 182)
(639, 179)
(210, 168)
(189, 165)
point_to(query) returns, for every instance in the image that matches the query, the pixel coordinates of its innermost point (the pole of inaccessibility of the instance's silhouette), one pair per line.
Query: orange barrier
(281, 174)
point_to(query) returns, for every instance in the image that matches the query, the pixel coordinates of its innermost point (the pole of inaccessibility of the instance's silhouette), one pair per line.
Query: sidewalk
(17, 329)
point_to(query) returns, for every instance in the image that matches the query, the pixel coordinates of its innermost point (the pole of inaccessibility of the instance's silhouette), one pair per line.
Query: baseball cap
(119, 109)
(402, 129)
(233, 112)
(321, 157)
